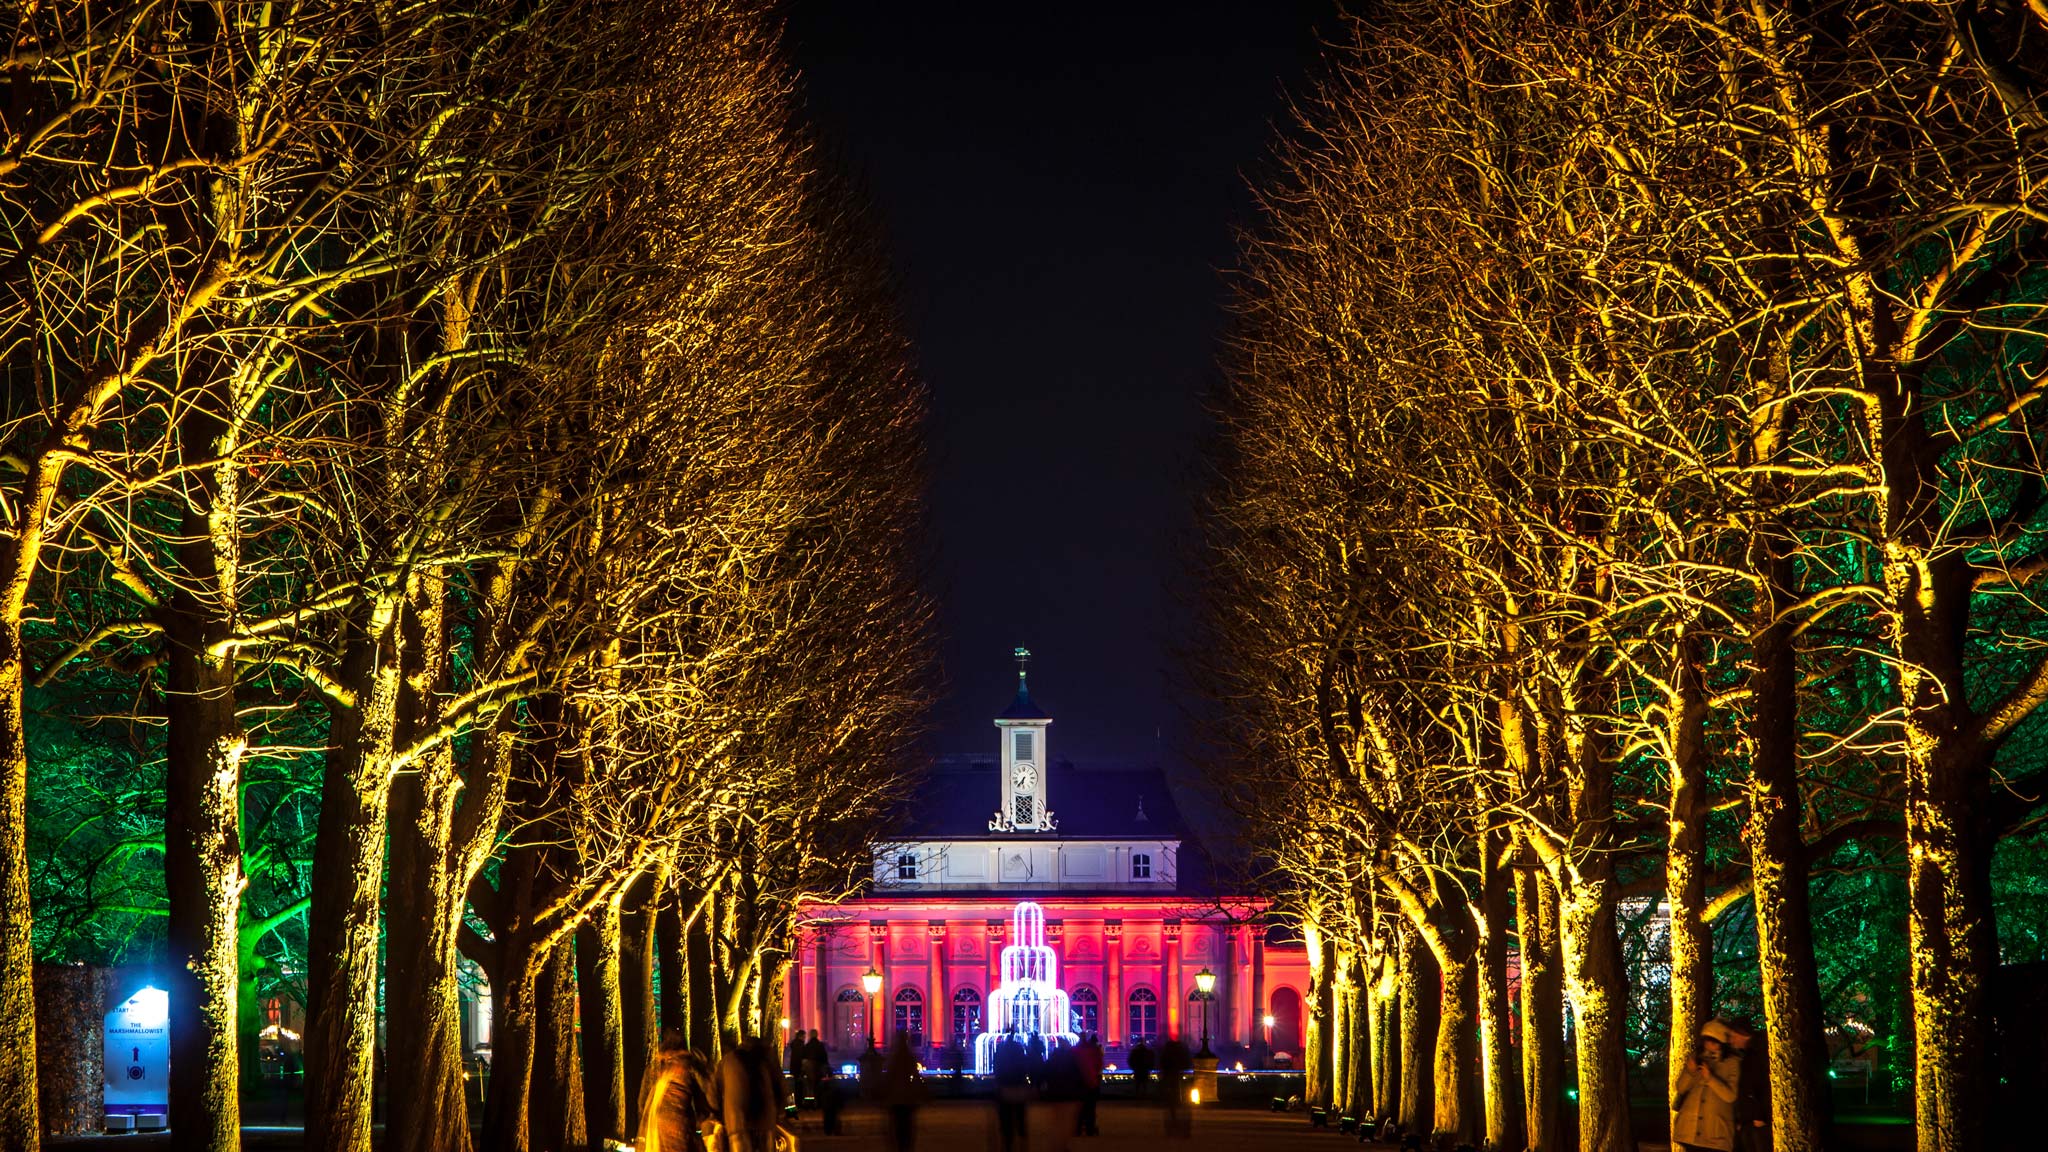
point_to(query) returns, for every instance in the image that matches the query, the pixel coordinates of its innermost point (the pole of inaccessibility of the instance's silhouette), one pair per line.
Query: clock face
(1025, 778)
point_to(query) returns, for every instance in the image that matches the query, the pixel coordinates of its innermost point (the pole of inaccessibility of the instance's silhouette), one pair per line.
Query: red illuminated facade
(1131, 908)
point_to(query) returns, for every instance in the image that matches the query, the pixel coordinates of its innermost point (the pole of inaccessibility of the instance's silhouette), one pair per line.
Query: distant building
(1131, 911)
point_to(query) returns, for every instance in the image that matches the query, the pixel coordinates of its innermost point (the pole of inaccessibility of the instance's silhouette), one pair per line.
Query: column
(938, 1003)
(1171, 978)
(1238, 1007)
(822, 942)
(1259, 1006)
(793, 999)
(1113, 984)
(995, 964)
(878, 960)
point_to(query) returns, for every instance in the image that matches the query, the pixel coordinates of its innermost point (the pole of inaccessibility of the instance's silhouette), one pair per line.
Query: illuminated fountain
(1029, 1001)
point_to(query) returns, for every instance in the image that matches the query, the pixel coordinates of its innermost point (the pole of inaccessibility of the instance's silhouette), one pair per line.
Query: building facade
(1130, 907)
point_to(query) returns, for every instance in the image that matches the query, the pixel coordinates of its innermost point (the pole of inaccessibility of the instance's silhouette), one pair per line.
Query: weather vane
(1023, 656)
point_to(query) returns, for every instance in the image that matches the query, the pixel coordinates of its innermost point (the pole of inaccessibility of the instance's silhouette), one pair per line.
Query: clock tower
(1023, 762)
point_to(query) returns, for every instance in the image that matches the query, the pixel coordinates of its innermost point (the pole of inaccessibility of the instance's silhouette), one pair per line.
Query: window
(1026, 810)
(1087, 1010)
(906, 866)
(910, 1015)
(966, 1018)
(1142, 1012)
(1024, 746)
(849, 1020)
(1141, 866)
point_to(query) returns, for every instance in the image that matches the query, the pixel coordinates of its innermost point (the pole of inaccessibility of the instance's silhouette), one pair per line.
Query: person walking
(1062, 1097)
(1088, 1056)
(902, 1092)
(1704, 1116)
(1143, 1061)
(1013, 1092)
(1175, 1061)
(673, 1100)
(1752, 1089)
(749, 1096)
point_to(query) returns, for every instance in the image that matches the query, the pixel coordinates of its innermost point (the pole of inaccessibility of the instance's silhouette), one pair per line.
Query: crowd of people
(1724, 1097)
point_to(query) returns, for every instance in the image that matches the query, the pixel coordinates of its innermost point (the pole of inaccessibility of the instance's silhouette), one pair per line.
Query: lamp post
(1205, 984)
(1267, 1020)
(871, 983)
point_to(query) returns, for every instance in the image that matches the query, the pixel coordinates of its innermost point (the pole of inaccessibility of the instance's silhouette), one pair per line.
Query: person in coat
(1704, 1113)
(1753, 1091)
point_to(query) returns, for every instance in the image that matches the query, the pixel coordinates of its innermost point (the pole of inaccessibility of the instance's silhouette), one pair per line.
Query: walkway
(969, 1126)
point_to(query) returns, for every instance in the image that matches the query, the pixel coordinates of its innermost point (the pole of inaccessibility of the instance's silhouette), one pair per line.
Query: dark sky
(1058, 185)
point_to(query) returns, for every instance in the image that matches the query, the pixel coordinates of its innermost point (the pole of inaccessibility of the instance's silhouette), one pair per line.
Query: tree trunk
(20, 1131)
(1386, 1038)
(1542, 1010)
(1951, 927)
(19, 1128)
(1421, 998)
(1456, 1041)
(703, 993)
(1598, 986)
(1342, 1050)
(514, 1031)
(428, 1107)
(1321, 1006)
(672, 966)
(557, 1099)
(1496, 1057)
(599, 999)
(348, 875)
(1685, 865)
(20, 555)
(637, 947)
(1778, 883)
(203, 873)
(1364, 1045)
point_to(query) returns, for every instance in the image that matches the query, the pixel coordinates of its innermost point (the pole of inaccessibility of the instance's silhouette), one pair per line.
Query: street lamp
(871, 982)
(1205, 984)
(1268, 1021)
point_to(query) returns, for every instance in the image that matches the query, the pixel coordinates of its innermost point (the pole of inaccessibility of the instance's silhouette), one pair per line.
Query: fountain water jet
(1029, 1001)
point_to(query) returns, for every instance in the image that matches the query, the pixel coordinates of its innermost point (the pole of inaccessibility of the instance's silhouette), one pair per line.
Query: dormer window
(906, 866)
(1141, 866)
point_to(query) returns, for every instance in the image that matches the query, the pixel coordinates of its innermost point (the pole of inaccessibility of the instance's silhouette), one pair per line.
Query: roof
(962, 794)
(1022, 708)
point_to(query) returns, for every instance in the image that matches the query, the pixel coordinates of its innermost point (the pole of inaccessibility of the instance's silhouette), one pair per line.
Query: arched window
(966, 1018)
(906, 866)
(1087, 1010)
(1141, 866)
(1142, 1013)
(910, 1016)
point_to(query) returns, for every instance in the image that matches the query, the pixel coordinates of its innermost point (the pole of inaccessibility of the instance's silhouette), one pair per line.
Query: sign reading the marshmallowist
(139, 1053)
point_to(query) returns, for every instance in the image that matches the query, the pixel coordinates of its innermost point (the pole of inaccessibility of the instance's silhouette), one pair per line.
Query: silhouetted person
(1143, 1061)
(1174, 1063)
(1012, 1068)
(1752, 1088)
(902, 1092)
(1088, 1055)
(749, 1096)
(830, 1098)
(818, 1060)
(674, 1098)
(870, 1066)
(1062, 1096)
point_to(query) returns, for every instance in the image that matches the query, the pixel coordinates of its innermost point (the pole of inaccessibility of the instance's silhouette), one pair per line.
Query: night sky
(1058, 187)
